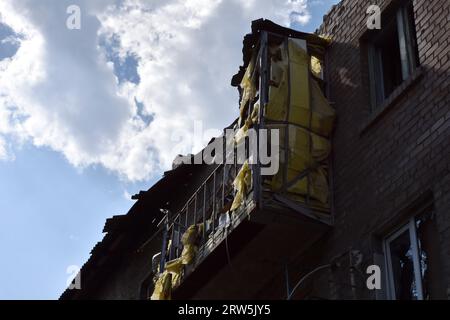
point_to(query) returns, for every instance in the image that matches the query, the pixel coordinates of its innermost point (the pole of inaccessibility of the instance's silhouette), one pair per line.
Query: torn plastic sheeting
(299, 95)
(323, 115)
(305, 105)
(302, 144)
(307, 121)
(306, 144)
(278, 89)
(313, 183)
(241, 184)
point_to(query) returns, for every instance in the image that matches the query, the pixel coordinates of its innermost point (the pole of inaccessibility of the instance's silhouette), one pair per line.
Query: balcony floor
(257, 248)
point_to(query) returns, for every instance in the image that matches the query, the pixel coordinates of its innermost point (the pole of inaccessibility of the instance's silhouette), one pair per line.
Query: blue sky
(84, 115)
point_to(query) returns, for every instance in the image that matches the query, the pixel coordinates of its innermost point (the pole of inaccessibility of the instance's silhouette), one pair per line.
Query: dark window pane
(403, 267)
(412, 30)
(429, 254)
(388, 46)
(387, 69)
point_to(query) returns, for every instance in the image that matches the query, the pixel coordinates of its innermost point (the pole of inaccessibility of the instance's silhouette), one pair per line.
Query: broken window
(393, 53)
(407, 261)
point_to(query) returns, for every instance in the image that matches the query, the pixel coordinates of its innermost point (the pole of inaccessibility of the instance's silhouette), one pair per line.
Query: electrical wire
(326, 266)
(226, 247)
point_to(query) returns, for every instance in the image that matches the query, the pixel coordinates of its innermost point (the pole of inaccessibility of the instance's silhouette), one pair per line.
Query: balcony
(240, 224)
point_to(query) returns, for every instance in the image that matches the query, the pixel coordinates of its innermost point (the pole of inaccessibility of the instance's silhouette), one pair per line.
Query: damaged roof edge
(115, 226)
(251, 39)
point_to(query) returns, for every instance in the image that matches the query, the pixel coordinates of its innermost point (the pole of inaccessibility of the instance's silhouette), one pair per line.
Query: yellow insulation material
(175, 268)
(248, 89)
(242, 132)
(308, 107)
(306, 150)
(163, 287)
(189, 253)
(316, 67)
(296, 99)
(323, 115)
(326, 37)
(171, 277)
(278, 89)
(255, 113)
(299, 110)
(315, 184)
(168, 280)
(189, 240)
(241, 184)
(251, 120)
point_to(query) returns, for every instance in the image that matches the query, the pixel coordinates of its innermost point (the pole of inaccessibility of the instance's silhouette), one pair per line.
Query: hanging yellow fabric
(305, 148)
(248, 89)
(297, 101)
(289, 67)
(189, 240)
(306, 105)
(278, 89)
(168, 280)
(299, 109)
(251, 120)
(323, 115)
(241, 185)
(316, 67)
(163, 287)
(305, 151)
(175, 268)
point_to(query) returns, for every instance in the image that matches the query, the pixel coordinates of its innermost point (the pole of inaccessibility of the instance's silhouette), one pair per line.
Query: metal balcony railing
(208, 206)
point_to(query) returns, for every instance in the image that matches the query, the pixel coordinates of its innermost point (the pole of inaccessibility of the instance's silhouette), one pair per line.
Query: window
(407, 262)
(392, 53)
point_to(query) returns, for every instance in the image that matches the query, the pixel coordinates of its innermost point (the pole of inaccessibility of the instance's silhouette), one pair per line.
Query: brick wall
(383, 162)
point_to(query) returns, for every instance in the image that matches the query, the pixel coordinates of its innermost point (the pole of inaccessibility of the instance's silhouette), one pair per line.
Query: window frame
(414, 244)
(408, 53)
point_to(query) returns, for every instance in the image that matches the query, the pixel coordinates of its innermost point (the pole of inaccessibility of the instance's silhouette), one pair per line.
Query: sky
(91, 115)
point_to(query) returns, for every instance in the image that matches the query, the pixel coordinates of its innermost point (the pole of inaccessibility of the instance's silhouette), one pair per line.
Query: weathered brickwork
(382, 163)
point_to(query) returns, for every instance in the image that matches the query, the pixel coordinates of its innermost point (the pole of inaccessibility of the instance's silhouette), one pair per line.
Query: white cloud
(127, 195)
(3, 152)
(60, 91)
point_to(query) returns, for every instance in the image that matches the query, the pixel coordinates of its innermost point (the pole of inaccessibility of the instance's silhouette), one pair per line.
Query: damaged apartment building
(363, 119)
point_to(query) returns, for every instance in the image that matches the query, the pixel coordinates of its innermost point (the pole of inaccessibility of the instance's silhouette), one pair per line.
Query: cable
(306, 277)
(334, 263)
(226, 247)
